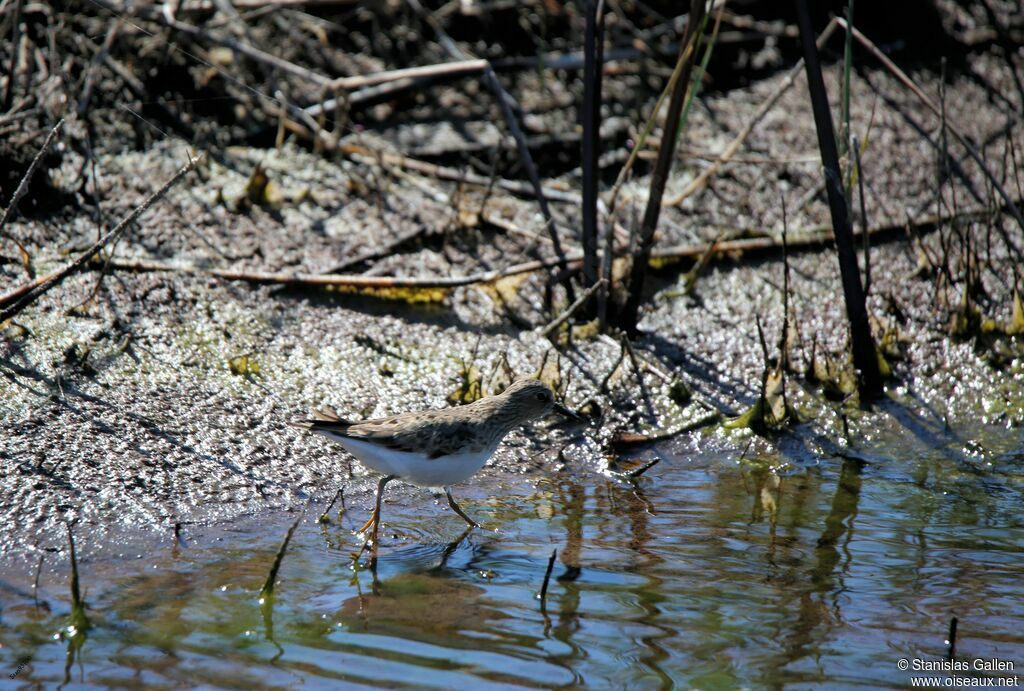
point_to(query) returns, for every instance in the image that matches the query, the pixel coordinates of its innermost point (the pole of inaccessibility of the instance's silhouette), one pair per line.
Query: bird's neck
(503, 415)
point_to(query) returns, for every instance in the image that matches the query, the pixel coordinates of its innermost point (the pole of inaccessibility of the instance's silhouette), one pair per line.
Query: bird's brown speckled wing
(436, 435)
(433, 434)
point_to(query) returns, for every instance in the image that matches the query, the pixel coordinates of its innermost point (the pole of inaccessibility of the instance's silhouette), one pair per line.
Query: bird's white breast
(414, 467)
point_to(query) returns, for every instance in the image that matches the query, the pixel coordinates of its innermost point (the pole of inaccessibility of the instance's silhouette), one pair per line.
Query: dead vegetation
(567, 162)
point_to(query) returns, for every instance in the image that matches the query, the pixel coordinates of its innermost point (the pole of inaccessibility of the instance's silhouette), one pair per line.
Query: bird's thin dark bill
(572, 415)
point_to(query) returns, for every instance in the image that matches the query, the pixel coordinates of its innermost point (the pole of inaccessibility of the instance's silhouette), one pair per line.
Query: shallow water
(709, 572)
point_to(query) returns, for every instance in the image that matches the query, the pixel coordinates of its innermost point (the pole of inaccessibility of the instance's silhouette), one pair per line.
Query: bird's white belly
(415, 467)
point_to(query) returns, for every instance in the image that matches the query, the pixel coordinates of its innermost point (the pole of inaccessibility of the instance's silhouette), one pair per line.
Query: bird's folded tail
(325, 420)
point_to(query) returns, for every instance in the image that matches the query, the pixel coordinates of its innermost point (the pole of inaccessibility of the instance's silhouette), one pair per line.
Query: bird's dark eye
(542, 397)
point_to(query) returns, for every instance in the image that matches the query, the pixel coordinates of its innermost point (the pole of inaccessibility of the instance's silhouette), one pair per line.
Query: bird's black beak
(571, 414)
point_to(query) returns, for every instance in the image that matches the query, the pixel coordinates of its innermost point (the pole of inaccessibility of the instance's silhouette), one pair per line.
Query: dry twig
(807, 238)
(572, 309)
(23, 296)
(900, 75)
(369, 157)
(701, 181)
(23, 185)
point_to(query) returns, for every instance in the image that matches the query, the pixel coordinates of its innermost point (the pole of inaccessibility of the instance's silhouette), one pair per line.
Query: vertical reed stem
(627, 319)
(865, 359)
(591, 116)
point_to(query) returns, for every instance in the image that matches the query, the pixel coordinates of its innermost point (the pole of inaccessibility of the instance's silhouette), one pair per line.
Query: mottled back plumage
(471, 428)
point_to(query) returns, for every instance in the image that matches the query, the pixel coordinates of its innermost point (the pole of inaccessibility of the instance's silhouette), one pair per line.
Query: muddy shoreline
(122, 398)
(729, 515)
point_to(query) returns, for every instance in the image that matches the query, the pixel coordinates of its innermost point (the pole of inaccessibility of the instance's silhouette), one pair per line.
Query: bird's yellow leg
(369, 522)
(374, 521)
(458, 510)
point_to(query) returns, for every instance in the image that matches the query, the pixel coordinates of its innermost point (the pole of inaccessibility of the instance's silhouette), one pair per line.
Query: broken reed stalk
(325, 516)
(807, 238)
(79, 619)
(591, 141)
(844, 136)
(648, 126)
(268, 586)
(698, 78)
(572, 309)
(865, 235)
(622, 442)
(512, 122)
(784, 336)
(634, 474)
(627, 319)
(343, 281)
(767, 366)
(207, 5)
(701, 181)
(382, 86)
(547, 579)
(35, 581)
(865, 358)
(25, 295)
(620, 179)
(445, 69)
(19, 192)
(389, 84)
(76, 593)
(972, 151)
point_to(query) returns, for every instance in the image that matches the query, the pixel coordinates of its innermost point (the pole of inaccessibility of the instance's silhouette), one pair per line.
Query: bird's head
(532, 398)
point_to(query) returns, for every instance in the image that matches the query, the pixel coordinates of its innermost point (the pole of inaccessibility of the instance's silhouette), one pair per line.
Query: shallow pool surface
(711, 571)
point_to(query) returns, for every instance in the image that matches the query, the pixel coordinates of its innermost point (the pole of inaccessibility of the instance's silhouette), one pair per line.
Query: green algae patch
(470, 387)
(244, 365)
(412, 295)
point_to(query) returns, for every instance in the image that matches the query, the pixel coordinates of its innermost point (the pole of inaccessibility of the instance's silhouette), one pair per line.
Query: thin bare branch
(701, 181)
(572, 309)
(806, 238)
(22, 297)
(23, 185)
(900, 75)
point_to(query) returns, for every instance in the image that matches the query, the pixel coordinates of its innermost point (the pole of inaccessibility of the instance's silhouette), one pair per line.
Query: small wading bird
(436, 448)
